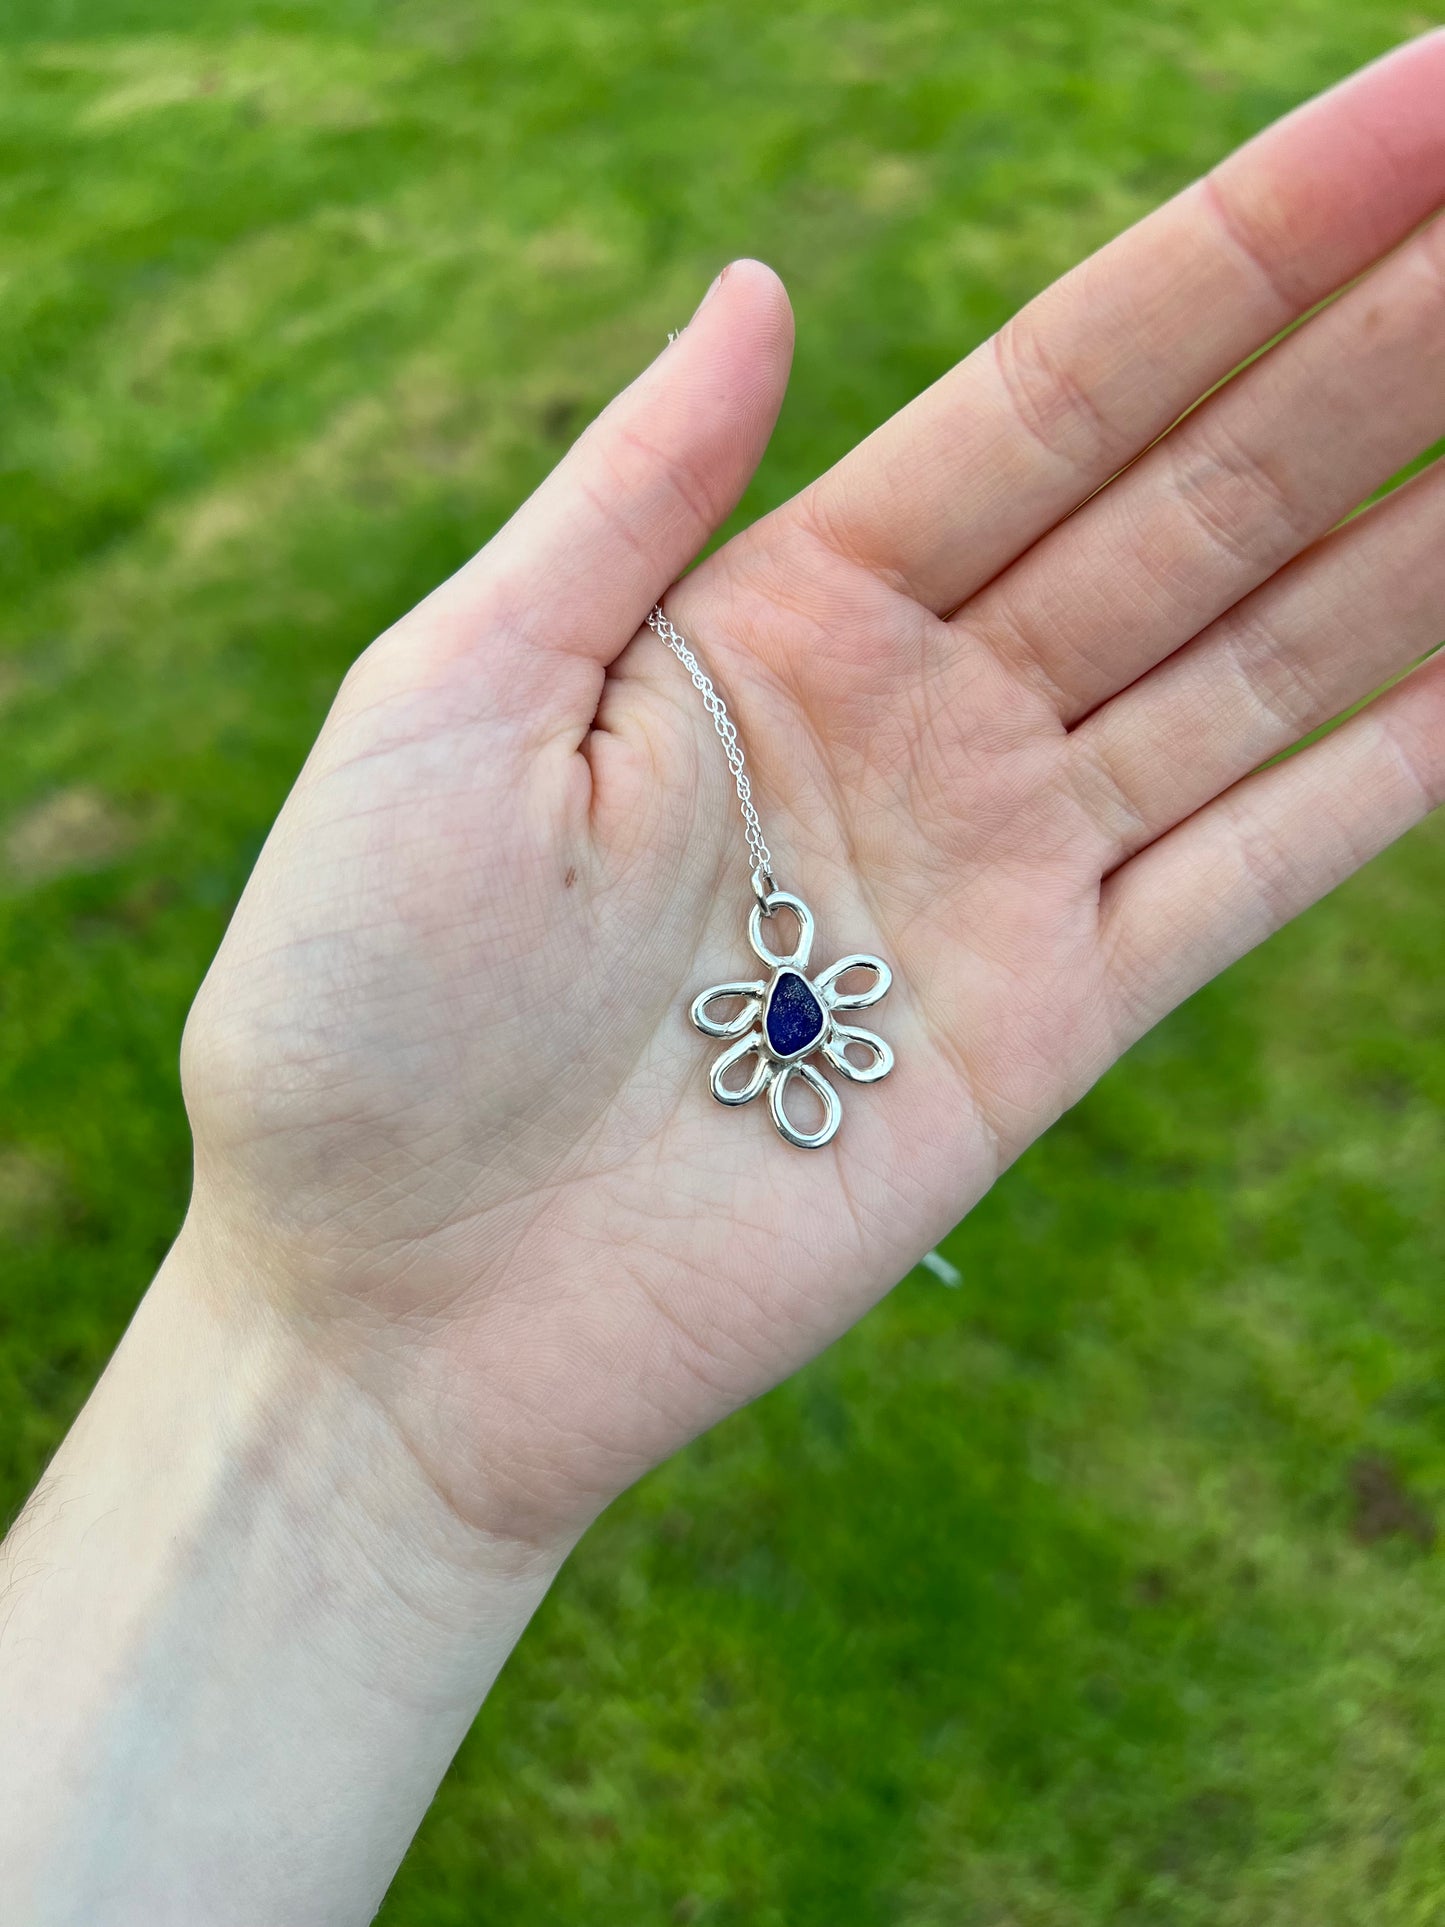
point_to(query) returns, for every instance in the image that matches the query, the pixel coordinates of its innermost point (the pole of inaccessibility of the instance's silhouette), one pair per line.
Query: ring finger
(1358, 609)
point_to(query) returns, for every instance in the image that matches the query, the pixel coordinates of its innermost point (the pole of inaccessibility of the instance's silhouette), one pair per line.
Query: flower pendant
(787, 1017)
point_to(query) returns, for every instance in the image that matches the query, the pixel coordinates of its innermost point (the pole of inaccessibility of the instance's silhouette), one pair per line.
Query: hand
(1002, 721)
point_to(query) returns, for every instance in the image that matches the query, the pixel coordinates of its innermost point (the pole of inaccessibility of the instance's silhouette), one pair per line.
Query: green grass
(1094, 1591)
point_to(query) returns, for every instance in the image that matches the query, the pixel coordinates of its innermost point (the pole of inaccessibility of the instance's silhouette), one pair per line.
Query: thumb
(565, 585)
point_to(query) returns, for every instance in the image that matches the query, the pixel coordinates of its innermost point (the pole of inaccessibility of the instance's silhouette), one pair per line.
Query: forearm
(241, 1636)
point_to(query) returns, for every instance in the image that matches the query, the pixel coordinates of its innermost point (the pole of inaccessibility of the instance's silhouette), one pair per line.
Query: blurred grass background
(1098, 1589)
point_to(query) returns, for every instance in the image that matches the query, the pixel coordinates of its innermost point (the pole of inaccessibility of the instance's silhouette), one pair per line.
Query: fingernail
(674, 333)
(713, 287)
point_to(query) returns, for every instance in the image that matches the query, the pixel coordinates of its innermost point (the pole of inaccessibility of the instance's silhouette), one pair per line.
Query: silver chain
(762, 860)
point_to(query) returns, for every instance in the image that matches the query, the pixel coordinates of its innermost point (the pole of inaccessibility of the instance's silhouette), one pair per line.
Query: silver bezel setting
(746, 1030)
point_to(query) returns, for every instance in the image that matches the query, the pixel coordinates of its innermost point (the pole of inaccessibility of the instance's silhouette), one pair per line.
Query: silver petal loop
(735, 1053)
(836, 1049)
(832, 1107)
(752, 995)
(827, 981)
(783, 900)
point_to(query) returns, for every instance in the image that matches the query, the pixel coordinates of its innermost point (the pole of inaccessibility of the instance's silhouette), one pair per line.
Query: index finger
(960, 482)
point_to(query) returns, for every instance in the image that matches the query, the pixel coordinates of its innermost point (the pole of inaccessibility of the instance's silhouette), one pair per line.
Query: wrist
(237, 1609)
(448, 1348)
(307, 1405)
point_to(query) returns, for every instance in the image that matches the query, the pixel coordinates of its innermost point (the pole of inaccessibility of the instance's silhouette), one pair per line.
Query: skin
(470, 1246)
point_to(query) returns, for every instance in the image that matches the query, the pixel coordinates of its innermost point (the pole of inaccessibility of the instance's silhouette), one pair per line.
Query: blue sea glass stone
(795, 1017)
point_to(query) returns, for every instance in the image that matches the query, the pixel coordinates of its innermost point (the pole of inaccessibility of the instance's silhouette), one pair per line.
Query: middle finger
(1260, 470)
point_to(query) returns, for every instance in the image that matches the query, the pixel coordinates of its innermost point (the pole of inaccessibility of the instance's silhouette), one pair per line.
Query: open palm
(1005, 677)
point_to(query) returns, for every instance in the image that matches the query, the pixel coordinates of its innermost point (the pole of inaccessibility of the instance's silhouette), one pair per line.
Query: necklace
(787, 1017)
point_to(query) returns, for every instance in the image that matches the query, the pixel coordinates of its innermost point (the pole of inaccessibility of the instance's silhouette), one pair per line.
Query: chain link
(762, 861)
